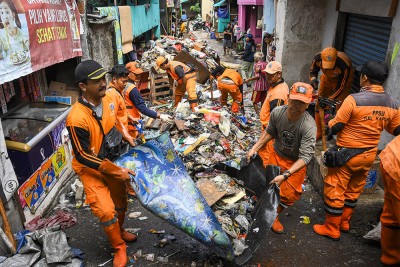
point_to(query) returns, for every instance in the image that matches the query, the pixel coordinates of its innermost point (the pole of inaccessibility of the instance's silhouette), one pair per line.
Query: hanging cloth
(223, 12)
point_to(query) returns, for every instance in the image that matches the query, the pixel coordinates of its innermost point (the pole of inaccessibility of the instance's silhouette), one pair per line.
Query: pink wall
(251, 2)
(246, 12)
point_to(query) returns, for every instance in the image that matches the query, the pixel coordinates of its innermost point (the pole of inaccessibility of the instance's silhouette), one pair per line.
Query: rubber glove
(165, 118)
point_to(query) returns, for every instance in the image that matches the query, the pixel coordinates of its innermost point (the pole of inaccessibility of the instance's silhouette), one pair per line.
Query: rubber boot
(178, 99)
(125, 235)
(114, 236)
(192, 106)
(330, 228)
(277, 227)
(390, 244)
(345, 220)
(319, 126)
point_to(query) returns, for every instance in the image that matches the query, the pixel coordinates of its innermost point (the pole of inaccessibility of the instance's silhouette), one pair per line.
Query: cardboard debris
(210, 191)
(235, 198)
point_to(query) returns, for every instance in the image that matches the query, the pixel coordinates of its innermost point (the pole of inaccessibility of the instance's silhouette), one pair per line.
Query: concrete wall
(303, 28)
(392, 83)
(206, 8)
(331, 18)
(101, 43)
(269, 16)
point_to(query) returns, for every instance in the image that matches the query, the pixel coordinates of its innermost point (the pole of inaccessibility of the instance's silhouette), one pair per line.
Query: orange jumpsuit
(132, 111)
(334, 83)
(187, 82)
(390, 218)
(234, 88)
(358, 124)
(276, 96)
(106, 195)
(119, 101)
(290, 189)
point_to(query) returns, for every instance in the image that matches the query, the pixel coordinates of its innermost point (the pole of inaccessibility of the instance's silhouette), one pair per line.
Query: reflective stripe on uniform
(110, 222)
(350, 203)
(333, 211)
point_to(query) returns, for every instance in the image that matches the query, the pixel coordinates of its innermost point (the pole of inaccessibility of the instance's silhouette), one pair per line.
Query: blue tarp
(163, 186)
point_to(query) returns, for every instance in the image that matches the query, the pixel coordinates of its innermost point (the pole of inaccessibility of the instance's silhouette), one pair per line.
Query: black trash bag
(252, 174)
(263, 216)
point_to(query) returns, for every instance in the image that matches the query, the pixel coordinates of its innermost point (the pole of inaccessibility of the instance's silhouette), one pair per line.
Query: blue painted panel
(143, 20)
(269, 16)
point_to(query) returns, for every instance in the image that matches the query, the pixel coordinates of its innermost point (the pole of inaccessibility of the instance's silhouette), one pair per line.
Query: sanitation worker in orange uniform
(293, 130)
(336, 78)
(229, 83)
(390, 218)
(184, 75)
(91, 124)
(277, 95)
(358, 125)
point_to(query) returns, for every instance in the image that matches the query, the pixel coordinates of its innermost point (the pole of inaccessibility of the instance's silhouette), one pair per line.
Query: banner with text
(35, 34)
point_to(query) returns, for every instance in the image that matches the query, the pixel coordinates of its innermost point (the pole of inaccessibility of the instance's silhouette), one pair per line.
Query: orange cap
(133, 67)
(273, 67)
(301, 91)
(328, 56)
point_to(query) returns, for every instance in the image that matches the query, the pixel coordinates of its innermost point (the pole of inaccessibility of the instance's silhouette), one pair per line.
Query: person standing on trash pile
(277, 95)
(248, 57)
(261, 85)
(390, 218)
(227, 41)
(135, 104)
(229, 82)
(336, 78)
(358, 125)
(293, 130)
(91, 126)
(185, 75)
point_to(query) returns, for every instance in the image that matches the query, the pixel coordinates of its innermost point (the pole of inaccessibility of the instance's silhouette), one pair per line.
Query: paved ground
(297, 246)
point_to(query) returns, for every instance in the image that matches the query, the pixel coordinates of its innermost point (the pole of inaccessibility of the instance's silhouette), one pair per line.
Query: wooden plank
(203, 72)
(180, 125)
(210, 191)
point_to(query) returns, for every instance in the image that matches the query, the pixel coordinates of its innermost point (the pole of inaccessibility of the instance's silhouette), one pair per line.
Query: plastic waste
(238, 247)
(374, 234)
(305, 220)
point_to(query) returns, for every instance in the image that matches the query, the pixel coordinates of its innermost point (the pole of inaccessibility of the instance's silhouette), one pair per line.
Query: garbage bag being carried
(163, 187)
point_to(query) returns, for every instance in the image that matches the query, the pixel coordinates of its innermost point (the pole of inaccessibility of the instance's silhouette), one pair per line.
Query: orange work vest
(173, 65)
(224, 81)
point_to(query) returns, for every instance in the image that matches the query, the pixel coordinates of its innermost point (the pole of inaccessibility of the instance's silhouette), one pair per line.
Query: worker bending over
(229, 83)
(185, 75)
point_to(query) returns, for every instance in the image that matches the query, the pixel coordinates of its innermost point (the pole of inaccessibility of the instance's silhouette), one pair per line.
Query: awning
(221, 3)
(184, 1)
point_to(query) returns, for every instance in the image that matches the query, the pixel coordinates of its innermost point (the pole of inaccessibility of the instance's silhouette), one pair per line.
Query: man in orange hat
(135, 104)
(358, 125)
(390, 218)
(184, 75)
(336, 78)
(293, 130)
(135, 74)
(277, 95)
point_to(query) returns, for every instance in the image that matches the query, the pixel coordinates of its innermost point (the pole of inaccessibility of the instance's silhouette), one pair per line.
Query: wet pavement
(297, 246)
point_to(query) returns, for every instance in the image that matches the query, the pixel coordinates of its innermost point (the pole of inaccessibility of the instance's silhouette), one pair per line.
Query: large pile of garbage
(209, 139)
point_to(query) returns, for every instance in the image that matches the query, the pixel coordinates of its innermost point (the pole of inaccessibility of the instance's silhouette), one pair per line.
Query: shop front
(40, 44)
